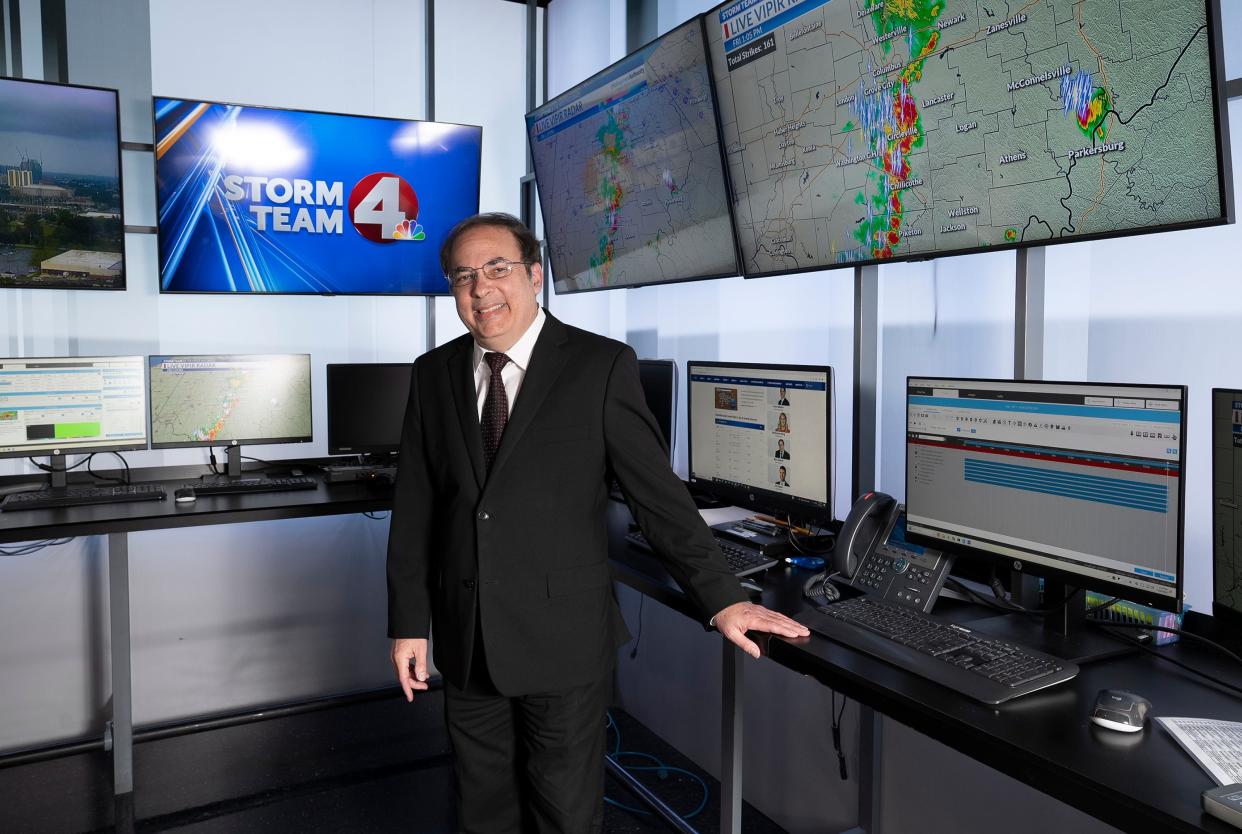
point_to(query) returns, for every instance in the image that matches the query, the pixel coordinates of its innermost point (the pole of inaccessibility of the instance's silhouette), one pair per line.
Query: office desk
(117, 521)
(1140, 782)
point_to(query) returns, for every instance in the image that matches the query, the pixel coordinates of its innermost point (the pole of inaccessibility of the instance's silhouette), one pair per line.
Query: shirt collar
(520, 353)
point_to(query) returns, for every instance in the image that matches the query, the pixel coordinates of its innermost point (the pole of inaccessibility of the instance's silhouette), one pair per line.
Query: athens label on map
(931, 126)
(630, 171)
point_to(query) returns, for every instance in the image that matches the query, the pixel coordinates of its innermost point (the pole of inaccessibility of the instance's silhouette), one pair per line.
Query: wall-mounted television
(61, 221)
(260, 200)
(630, 174)
(865, 132)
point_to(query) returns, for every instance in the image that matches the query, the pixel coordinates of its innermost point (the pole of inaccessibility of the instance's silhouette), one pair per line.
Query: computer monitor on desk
(230, 400)
(1079, 483)
(1227, 511)
(761, 437)
(659, 380)
(366, 407)
(71, 405)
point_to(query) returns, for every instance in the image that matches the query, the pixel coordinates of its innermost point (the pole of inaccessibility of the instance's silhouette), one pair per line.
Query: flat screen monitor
(366, 407)
(1078, 482)
(72, 405)
(761, 437)
(260, 200)
(630, 173)
(229, 400)
(1227, 506)
(61, 223)
(659, 380)
(867, 132)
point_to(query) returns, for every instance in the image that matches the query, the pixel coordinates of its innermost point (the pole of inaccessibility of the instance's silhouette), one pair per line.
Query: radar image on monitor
(864, 130)
(206, 399)
(630, 175)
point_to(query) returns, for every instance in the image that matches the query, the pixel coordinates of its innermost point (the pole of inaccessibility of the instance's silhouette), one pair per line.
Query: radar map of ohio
(862, 131)
(206, 399)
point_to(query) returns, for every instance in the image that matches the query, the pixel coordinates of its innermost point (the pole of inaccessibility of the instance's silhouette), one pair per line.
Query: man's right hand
(409, 656)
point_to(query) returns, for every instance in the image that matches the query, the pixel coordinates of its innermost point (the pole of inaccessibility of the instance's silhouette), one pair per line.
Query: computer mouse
(1117, 709)
(184, 495)
(751, 586)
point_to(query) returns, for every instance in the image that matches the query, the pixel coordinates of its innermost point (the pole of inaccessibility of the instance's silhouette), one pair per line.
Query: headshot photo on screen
(780, 397)
(782, 450)
(780, 476)
(782, 422)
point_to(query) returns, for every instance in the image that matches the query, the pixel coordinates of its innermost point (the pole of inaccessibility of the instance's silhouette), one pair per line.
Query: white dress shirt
(514, 371)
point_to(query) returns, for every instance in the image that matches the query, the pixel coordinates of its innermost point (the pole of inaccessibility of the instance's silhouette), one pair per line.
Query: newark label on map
(864, 131)
(202, 399)
(630, 174)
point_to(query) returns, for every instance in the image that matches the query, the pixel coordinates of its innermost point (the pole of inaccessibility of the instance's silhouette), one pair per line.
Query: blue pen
(807, 562)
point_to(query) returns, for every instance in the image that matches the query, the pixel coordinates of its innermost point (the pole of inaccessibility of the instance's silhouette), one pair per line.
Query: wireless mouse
(1117, 709)
(184, 494)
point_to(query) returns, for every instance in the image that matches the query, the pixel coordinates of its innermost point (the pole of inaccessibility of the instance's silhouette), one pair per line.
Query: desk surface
(134, 516)
(1141, 782)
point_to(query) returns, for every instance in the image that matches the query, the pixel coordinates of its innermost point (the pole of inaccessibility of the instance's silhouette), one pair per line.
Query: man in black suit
(781, 453)
(498, 541)
(780, 478)
(782, 399)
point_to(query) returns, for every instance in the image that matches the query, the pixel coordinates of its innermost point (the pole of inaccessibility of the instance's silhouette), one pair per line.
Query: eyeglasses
(495, 270)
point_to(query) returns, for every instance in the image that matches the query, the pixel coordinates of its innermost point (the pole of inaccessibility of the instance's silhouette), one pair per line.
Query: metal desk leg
(731, 740)
(870, 743)
(122, 706)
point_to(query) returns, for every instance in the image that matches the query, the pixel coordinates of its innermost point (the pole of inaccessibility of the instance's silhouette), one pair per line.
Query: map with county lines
(207, 399)
(631, 179)
(865, 130)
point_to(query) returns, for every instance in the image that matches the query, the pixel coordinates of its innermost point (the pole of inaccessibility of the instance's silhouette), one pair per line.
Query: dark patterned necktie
(495, 408)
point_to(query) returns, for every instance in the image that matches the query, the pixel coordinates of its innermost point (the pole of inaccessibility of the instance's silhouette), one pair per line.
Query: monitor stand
(233, 467)
(58, 473)
(1063, 633)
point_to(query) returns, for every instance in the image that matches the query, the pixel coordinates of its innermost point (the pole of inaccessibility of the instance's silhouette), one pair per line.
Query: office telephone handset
(873, 556)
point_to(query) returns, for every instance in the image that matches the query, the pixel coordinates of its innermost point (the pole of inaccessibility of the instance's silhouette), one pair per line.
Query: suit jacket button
(483, 516)
(469, 583)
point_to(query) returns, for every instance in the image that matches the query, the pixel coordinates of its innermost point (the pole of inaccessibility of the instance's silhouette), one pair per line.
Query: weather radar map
(630, 174)
(217, 399)
(861, 131)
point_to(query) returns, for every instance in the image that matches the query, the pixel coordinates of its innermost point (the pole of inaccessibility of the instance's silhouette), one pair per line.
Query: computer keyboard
(974, 664)
(742, 560)
(241, 486)
(76, 496)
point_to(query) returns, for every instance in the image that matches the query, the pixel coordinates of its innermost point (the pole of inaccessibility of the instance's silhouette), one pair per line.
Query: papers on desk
(1215, 745)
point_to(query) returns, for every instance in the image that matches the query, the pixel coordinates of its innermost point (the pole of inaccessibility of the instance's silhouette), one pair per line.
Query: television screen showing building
(60, 187)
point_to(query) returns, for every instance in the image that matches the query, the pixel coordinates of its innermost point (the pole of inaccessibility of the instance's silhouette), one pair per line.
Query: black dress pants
(531, 763)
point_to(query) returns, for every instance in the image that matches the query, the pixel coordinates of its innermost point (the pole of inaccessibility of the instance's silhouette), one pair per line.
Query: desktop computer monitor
(223, 400)
(1079, 483)
(58, 406)
(1227, 508)
(659, 381)
(366, 407)
(761, 437)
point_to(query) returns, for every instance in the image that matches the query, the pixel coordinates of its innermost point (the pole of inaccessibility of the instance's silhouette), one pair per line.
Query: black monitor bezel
(1069, 577)
(765, 500)
(1223, 173)
(333, 369)
(1227, 613)
(671, 366)
(120, 185)
(155, 161)
(240, 441)
(89, 450)
(553, 103)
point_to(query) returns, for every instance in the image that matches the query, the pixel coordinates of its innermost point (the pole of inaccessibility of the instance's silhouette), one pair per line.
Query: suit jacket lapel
(461, 374)
(546, 362)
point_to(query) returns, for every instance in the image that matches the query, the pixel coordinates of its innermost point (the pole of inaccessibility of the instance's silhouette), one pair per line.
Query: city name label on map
(955, 227)
(888, 36)
(1041, 78)
(962, 211)
(940, 99)
(1011, 22)
(953, 21)
(1107, 147)
(1009, 158)
(966, 128)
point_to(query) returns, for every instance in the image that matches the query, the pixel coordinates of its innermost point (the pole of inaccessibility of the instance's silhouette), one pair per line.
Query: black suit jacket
(528, 543)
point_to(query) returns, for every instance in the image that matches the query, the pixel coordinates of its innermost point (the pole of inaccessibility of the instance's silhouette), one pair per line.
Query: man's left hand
(733, 622)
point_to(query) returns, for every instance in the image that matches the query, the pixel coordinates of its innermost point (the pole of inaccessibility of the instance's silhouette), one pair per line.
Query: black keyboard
(242, 486)
(976, 665)
(742, 560)
(76, 496)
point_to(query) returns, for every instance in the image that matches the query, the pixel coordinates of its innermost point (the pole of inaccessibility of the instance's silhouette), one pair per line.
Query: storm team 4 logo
(384, 208)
